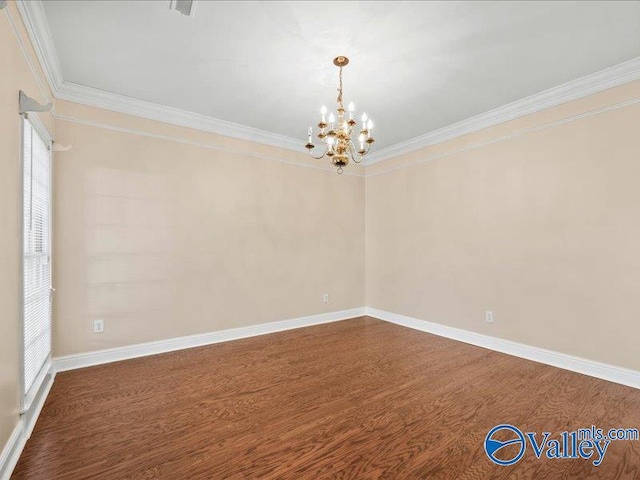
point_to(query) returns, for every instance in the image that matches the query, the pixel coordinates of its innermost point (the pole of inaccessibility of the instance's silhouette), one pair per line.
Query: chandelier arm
(351, 150)
(321, 156)
(366, 151)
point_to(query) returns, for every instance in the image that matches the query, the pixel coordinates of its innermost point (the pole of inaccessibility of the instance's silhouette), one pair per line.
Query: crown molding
(209, 146)
(427, 157)
(46, 93)
(35, 22)
(573, 90)
(132, 106)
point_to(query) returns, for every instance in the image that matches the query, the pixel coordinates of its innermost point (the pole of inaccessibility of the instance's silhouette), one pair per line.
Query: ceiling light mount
(341, 61)
(336, 136)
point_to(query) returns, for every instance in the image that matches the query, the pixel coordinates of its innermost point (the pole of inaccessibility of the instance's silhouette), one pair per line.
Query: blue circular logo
(492, 446)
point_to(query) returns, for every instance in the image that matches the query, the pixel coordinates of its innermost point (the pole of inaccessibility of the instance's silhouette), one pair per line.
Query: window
(36, 258)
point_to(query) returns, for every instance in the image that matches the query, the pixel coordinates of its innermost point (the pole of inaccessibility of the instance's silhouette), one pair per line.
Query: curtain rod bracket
(28, 104)
(58, 147)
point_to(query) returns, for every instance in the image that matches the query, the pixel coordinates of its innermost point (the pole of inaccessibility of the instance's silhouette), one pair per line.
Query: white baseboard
(592, 368)
(31, 416)
(12, 450)
(81, 360)
(22, 431)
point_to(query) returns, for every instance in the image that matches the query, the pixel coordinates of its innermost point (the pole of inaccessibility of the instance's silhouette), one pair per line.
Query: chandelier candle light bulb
(338, 145)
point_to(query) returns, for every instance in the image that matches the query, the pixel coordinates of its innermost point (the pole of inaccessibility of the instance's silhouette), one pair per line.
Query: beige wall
(164, 231)
(536, 219)
(15, 75)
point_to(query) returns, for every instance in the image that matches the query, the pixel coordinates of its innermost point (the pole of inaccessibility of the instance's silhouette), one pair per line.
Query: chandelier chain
(340, 91)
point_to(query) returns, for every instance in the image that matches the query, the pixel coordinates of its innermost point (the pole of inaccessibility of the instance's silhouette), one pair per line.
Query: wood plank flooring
(358, 399)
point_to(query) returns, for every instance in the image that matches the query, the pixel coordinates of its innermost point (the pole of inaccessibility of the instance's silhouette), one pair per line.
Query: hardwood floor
(358, 399)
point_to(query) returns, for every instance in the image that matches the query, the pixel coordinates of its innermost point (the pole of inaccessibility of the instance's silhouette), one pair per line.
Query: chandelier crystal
(336, 136)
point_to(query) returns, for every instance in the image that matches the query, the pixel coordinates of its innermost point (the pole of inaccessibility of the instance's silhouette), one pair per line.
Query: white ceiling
(415, 66)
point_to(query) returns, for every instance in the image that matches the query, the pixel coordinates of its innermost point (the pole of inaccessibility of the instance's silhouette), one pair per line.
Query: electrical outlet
(325, 298)
(488, 316)
(98, 326)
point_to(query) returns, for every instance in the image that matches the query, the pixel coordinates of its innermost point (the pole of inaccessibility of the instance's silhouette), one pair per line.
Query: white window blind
(36, 257)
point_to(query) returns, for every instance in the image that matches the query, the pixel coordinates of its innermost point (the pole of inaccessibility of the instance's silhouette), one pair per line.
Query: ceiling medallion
(336, 136)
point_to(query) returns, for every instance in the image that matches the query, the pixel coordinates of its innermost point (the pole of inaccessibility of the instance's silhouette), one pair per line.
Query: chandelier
(336, 136)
